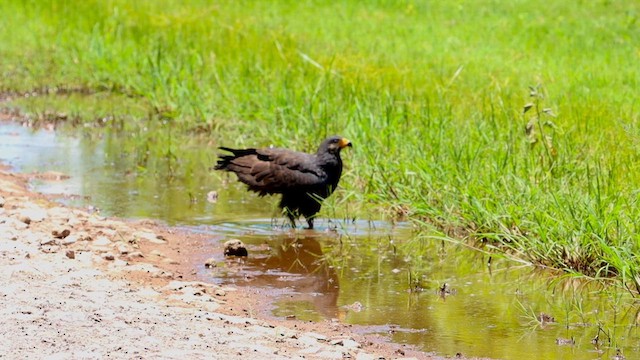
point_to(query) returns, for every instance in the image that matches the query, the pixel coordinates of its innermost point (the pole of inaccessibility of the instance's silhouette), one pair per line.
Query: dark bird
(304, 180)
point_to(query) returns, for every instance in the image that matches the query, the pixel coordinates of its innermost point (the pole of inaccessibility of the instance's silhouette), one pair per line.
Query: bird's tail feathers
(225, 160)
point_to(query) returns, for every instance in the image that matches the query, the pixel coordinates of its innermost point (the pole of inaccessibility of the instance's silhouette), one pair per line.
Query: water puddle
(362, 272)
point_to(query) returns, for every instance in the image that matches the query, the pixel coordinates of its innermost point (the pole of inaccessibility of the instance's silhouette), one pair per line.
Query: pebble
(210, 263)
(161, 274)
(70, 254)
(148, 236)
(108, 232)
(25, 219)
(317, 336)
(2, 202)
(347, 343)
(102, 241)
(47, 241)
(123, 248)
(61, 234)
(235, 247)
(108, 256)
(71, 239)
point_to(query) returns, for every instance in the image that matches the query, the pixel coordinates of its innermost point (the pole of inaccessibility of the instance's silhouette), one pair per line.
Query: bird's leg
(310, 222)
(291, 217)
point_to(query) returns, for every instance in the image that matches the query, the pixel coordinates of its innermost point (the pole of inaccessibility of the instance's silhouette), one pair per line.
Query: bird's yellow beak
(344, 142)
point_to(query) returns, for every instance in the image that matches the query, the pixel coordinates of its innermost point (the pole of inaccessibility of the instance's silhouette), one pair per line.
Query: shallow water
(362, 272)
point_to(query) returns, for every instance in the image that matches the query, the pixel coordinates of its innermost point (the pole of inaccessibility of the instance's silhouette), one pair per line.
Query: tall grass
(431, 93)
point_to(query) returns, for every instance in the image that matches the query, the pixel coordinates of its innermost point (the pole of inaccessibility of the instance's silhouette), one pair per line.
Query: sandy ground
(76, 285)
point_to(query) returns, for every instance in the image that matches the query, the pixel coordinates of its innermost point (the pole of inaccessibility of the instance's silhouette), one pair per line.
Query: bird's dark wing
(273, 170)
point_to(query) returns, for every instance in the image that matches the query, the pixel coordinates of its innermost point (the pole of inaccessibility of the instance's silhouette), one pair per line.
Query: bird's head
(334, 144)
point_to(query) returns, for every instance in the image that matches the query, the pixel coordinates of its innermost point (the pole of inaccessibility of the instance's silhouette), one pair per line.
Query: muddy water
(362, 272)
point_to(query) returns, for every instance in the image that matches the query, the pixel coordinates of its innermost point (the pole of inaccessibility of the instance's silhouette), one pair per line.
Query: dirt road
(76, 285)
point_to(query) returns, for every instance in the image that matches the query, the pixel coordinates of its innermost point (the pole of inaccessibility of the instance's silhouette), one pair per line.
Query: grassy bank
(431, 93)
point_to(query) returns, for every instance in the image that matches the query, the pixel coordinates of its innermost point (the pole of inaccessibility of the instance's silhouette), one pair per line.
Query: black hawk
(304, 180)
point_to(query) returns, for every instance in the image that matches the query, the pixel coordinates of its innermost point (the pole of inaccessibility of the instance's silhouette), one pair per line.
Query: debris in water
(212, 197)
(561, 341)
(546, 318)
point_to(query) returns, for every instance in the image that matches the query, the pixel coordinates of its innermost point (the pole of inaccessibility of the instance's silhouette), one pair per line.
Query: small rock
(347, 343)
(61, 234)
(25, 219)
(70, 240)
(102, 241)
(108, 232)
(123, 248)
(220, 292)
(49, 249)
(2, 201)
(149, 236)
(161, 274)
(235, 247)
(70, 254)
(317, 336)
(108, 256)
(210, 263)
(136, 254)
(47, 241)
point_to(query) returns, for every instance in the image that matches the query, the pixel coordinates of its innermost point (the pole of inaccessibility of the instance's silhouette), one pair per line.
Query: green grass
(431, 94)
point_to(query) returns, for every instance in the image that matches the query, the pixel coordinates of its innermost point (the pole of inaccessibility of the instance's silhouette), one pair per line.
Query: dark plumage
(304, 180)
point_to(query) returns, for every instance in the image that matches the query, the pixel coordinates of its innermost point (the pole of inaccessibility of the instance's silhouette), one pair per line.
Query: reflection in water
(321, 274)
(298, 264)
